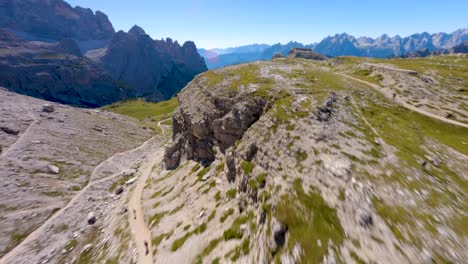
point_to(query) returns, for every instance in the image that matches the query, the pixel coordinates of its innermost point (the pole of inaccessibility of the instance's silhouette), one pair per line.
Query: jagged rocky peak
(137, 31)
(155, 69)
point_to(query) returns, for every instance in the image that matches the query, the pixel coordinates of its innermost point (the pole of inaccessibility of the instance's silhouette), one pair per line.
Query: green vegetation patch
(178, 243)
(247, 166)
(309, 219)
(393, 216)
(234, 231)
(391, 121)
(226, 214)
(158, 239)
(213, 77)
(141, 109)
(207, 250)
(366, 75)
(242, 249)
(203, 172)
(231, 193)
(148, 113)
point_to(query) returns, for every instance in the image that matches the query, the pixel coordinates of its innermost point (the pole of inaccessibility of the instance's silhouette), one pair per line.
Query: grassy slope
(147, 112)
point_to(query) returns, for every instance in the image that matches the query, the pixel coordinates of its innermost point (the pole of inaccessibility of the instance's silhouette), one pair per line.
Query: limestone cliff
(155, 69)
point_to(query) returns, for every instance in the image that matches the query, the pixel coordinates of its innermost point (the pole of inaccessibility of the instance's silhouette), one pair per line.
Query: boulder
(338, 166)
(53, 169)
(277, 236)
(87, 248)
(231, 167)
(173, 153)
(48, 108)
(119, 190)
(324, 113)
(91, 218)
(10, 129)
(131, 181)
(250, 152)
(364, 218)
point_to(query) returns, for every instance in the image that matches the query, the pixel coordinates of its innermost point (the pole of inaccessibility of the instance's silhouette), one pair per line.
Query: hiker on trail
(147, 249)
(134, 214)
(394, 96)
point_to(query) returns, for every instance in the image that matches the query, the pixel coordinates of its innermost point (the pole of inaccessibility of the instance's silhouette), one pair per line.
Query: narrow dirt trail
(390, 68)
(140, 230)
(42, 230)
(387, 93)
(21, 137)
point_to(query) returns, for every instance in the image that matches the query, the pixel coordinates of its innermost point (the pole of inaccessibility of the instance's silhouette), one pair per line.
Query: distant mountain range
(339, 45)
(53, 51)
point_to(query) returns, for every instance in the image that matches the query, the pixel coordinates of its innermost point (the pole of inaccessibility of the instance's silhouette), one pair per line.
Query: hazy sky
(221, 24)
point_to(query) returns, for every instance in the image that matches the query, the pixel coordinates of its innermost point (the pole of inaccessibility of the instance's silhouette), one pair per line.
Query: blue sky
(221, 24)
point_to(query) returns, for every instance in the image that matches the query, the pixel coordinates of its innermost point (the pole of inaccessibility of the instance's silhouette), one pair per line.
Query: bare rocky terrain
(55, 160)
(283, 161)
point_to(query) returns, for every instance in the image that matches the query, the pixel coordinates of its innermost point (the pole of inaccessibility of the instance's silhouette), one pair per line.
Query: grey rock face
(250, 152)
(173, 153)
(43, 71)
(54, 20)
(325, 112)
(231, 167)
(155, 69)
(232, 126)
(221, 122)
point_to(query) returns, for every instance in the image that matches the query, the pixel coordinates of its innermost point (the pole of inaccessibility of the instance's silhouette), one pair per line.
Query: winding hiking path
(387, 93)
(140, 230)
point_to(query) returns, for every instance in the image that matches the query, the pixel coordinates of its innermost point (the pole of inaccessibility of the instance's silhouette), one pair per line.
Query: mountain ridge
(346, 45)
(42, 48)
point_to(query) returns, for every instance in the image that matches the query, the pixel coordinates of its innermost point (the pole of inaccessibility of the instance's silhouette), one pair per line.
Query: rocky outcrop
(217, 120)
(302, 53)
(54, 20)
(154, 69)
